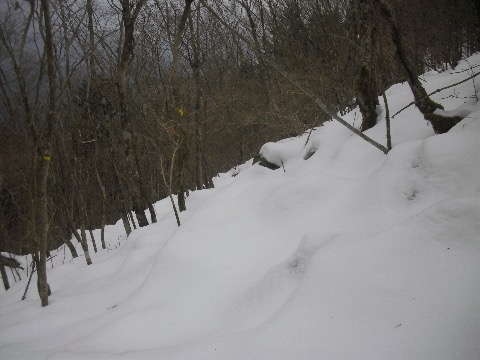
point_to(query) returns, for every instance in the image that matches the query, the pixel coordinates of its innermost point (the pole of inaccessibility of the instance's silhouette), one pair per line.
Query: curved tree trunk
(441, 124)
(72, 249)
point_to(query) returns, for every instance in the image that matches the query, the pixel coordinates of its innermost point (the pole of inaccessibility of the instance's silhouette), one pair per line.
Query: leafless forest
(107, 106)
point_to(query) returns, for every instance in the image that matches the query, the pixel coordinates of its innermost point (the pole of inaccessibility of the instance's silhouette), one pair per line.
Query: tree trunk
(153, 214)
(387, 120)
(37, 261)
(102, 201)
(367, 99)
(365, 35)
(91, 38)
(195, 65)
(72, 249)
(132, 220)
(81, 238)
(42, 217)
(6, 284)
(141, 217)
(207, 180)
(174, 94)
(103, 219)
(130, 12)
(168, 185)
(93, 239)
(43, 287)
(181, 165)
(84, 244)
(142, 197)
(126, 224)
(102, 235)
(440, 124)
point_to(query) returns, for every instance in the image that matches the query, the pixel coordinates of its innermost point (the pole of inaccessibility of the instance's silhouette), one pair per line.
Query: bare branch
(437, 91)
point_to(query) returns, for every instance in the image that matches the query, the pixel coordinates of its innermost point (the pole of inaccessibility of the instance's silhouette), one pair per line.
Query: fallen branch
(11, 262)
(294, 82)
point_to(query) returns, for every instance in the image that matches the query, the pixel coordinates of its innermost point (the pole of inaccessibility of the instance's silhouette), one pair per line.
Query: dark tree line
(105, 108)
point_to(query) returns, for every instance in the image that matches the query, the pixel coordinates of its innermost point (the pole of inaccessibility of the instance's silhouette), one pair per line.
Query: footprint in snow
(275, 289)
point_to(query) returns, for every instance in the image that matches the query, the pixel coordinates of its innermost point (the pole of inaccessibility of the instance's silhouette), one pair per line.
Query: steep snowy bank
(343, 254)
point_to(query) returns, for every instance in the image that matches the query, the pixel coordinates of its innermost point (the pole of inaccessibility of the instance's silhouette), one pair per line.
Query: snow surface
(350, 254)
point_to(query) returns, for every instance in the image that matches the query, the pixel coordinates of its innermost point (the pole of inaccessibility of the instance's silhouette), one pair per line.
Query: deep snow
(350, 254)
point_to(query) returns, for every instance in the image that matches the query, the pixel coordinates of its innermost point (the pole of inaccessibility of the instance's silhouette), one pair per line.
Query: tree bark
(387, 120)
(91, 39)
(136, 188)
(182, 159)
(6, 284)
(132, 220)
(126, 224)
(93, 239)
(153, 214)
(102, 201)
(81, 238)
(365, 35)
(84, 244)
(43, 287)
(199, 123)
(440, 124)
(168, 185)
(141, 217)
(130, 12)
(175, 98)
(102, 233)
(72, 249)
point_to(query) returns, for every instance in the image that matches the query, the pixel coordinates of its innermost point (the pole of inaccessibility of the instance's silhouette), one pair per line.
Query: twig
(51, 261)
(464, 70)
(473, 80)
(437, 91)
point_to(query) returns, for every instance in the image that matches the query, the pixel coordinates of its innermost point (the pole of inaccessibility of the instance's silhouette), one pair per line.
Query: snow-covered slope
(344, 254)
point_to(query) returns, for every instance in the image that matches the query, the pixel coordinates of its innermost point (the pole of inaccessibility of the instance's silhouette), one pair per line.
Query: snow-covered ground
(346, 254)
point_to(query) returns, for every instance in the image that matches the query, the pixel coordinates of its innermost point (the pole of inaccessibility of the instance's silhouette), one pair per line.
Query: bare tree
(130, 12)
(366, 38)
(424, 103)
(45, 149)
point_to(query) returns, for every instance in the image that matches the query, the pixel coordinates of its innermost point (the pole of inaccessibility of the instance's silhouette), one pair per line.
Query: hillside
(341, 253)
